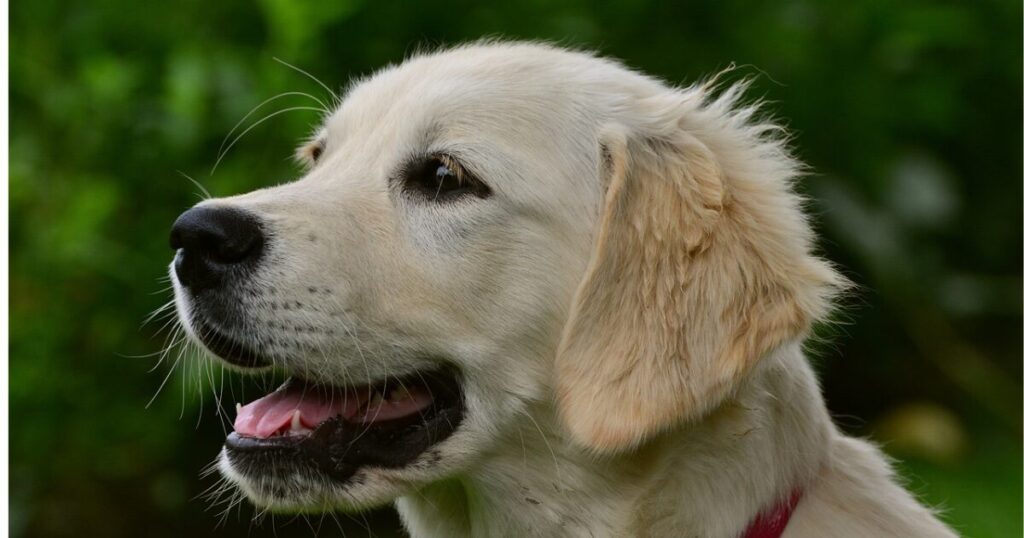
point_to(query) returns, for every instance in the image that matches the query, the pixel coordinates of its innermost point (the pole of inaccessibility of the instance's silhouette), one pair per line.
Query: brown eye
(316, 152)
(441, 179)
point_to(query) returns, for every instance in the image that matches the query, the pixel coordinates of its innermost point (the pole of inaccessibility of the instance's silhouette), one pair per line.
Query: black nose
(211, 241)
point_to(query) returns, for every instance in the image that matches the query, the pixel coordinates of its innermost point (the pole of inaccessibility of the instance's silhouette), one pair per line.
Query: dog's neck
(766, 441)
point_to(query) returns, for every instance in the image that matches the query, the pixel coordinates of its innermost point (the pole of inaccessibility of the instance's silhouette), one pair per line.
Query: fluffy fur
(627, 308)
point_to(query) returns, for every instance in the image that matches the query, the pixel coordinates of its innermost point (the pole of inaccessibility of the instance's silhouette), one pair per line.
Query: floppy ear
(701, 265)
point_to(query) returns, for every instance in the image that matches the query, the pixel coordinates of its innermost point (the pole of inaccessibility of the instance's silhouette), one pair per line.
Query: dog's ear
(701, 265)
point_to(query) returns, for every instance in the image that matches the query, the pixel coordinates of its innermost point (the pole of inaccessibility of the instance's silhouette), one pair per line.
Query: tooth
(238, 408)
(399, 394)
(296, 424)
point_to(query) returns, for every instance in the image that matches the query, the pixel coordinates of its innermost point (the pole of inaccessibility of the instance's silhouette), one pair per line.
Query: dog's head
(483, 230)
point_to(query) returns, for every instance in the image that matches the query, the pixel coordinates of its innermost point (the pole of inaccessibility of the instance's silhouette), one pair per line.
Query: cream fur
(627, 308)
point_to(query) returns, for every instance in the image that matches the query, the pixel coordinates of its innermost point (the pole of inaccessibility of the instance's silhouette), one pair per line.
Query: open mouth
(304, 427)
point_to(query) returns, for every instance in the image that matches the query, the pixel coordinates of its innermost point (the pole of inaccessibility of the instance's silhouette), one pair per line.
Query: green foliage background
(909, 112)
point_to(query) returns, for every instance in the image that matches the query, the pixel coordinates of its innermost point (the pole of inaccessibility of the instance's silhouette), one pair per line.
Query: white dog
(524, 291)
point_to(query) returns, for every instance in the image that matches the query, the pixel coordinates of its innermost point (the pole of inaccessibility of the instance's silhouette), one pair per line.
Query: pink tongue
(273, 413)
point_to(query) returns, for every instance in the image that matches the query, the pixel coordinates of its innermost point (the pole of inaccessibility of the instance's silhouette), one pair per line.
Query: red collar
(771, 523)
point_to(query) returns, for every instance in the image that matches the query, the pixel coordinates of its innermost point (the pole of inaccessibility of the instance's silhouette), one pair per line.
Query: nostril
(210, 240)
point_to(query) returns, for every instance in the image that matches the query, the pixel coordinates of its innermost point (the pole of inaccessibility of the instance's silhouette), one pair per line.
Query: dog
(525, 291)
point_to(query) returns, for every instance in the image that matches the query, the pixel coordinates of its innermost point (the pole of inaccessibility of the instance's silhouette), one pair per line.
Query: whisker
(253, 126)
(554, 459)
(175, 337)
(219, 408)
(323, 108)
(164, 382)
(171, 321)
(142, 356)
(311, 77)
(161, 309)
(205, 193)
(195, 378)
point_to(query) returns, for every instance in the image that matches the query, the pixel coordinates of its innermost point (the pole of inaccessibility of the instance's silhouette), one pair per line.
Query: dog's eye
(316, 151)
(441, 179)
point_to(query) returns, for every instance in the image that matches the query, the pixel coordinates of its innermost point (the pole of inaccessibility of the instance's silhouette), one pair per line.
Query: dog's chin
(311, 492)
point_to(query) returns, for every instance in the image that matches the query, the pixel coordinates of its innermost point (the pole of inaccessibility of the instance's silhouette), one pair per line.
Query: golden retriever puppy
(525, 291)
